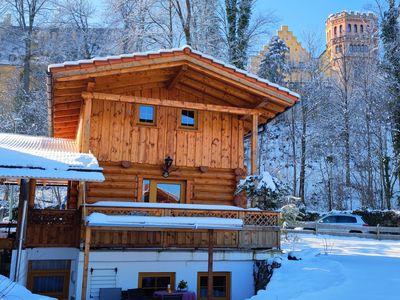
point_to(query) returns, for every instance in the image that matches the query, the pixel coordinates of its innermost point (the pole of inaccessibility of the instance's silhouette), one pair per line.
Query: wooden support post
(85, 136)
(88, 233)
(32, 192)
(254, 139)
(210, 284)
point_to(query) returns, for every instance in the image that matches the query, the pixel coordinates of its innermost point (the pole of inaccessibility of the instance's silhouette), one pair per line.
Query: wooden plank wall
(216, 186)
(218, 142)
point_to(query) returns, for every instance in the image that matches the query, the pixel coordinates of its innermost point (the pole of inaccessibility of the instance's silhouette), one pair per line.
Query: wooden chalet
(167, 128)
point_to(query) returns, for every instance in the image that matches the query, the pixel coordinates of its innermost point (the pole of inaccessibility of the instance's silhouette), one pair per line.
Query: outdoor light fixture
(167, 166)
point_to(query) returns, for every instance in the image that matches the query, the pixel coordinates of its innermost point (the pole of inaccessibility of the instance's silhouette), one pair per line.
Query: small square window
(146, 114)
(188, 118)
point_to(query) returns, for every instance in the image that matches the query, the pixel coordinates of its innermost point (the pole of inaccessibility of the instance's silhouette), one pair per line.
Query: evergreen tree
(274, 65)
(391, 40)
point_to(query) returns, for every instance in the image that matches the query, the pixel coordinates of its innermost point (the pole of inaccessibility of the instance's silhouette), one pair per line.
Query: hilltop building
(350, 34)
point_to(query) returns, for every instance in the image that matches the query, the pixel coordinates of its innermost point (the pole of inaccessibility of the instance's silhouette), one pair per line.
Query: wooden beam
(178, 77)
(85, 136)
(210, 285)
(171, 103)
(32, 192)
(254, 138)
(88, 234)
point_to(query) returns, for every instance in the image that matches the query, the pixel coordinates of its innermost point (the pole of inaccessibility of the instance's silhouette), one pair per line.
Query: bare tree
(74, 19)
(26, 13)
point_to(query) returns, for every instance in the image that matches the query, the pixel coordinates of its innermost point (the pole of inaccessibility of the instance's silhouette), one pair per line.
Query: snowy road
(353, 269)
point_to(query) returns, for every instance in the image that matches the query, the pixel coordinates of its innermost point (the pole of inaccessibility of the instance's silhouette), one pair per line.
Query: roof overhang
(98, 220)
(23, 156)
(185, 70)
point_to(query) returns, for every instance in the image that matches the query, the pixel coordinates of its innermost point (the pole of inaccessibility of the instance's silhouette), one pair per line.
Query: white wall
(46, 254)
(185, 264)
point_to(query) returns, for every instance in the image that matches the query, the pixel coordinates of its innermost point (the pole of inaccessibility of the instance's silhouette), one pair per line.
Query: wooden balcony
(261, 230)
(62, 228)
(53, 228)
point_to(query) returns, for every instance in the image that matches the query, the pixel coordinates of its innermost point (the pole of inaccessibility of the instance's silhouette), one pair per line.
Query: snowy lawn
(352, 269)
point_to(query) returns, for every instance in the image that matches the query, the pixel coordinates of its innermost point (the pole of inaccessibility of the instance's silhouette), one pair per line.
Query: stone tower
(352, 34)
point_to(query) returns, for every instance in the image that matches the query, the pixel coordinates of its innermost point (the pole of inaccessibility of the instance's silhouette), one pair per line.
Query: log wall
(215, 186)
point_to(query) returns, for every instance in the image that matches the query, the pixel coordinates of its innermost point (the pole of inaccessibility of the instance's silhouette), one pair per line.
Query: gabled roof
(23, 156)
(199, 77)
(124, 58)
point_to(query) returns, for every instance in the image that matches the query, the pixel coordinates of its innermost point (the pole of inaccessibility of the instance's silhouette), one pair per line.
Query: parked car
(335, 221)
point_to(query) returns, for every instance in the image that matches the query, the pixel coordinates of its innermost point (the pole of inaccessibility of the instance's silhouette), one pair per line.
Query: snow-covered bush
(263, 191)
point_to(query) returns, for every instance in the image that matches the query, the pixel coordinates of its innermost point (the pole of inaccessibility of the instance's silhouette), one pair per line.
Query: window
(188, 119)
(361, 28)
(163, 191)
(335, 30)
(355, 28)
(346, 219)
(340, 28)
(146, 114)
(49, 277)
(329, 219)
(221, 285)
(349, 28)
(152, 282)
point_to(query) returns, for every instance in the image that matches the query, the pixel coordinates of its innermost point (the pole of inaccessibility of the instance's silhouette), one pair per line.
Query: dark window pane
(50, 265)
(346, 219)
(163, 282)
(168, 193)
(148, 282)
(188, 118)
(48, 284)
(219, 280)
(146, 114)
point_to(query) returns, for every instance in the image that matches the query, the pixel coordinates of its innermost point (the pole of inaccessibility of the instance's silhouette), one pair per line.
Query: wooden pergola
(171, 228)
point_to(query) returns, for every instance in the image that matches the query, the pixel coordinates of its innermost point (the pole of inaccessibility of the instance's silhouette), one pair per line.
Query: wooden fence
(375, 232)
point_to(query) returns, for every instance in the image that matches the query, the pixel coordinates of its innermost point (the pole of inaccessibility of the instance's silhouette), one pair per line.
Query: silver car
(350, 223)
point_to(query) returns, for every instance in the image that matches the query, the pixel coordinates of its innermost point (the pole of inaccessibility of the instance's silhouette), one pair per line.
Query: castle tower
(352, 34)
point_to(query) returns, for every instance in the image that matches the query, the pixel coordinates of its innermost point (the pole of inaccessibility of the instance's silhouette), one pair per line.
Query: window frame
(228, 278)
(138, 122)
(66, 273)
(153, 189)
(171, 275)
(196, 119)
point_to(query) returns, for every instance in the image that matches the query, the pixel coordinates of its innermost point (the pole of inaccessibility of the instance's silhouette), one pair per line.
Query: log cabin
(167, 129)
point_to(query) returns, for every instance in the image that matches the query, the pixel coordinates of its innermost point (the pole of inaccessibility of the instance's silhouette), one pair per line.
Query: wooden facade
(96, 102)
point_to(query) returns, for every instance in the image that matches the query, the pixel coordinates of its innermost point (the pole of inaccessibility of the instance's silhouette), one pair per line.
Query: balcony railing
(62, 228)
(261, 229)
(53, 228)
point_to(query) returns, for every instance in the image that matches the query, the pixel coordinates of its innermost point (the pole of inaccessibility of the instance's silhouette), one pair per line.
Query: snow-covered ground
(336, 268)
(10, 290)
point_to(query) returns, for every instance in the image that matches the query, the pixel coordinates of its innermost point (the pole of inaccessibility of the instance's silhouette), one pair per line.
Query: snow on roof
(46, 158)
(118, 57)
(102, 220)
(168, 206)
(11, 290)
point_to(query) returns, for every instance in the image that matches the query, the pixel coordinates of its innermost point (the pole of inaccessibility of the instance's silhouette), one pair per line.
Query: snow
(117, 57)
(267, 180)
(333, 268)
(98, 219)
(10, 290)
(45, 157)
(169, 206)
